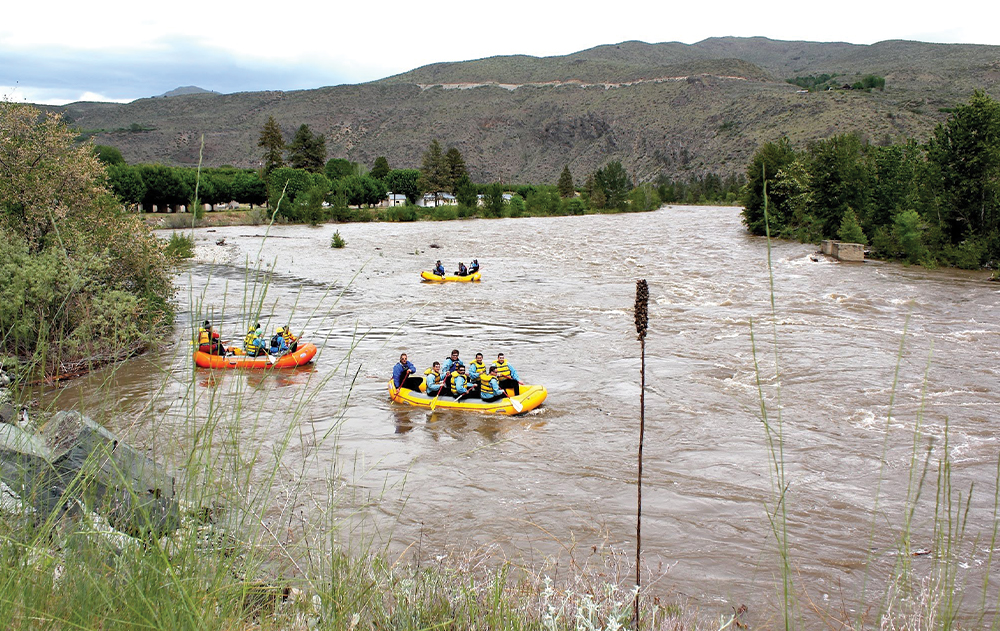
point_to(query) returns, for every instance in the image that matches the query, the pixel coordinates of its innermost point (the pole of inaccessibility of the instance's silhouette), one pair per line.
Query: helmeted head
(206, 324)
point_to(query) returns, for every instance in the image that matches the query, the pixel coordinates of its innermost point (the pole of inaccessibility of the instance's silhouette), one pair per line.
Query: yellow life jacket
(289, 338)
(454, 376)
(478, 368)
(248, 341)
(203, 337)
(503, 369)
(485, 388)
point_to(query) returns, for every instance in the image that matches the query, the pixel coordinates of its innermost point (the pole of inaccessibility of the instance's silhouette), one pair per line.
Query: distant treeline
(819, 83)
(931, 203)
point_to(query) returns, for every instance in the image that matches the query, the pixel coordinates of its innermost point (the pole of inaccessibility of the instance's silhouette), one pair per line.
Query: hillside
(667, 108)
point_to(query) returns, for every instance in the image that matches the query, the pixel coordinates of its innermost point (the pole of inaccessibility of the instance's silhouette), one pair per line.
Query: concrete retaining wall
(841, 251)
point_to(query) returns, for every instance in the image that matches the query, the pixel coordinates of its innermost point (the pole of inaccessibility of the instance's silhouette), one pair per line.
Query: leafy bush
(180, 246)
(337, 241)
(402, 213)
(445, 213)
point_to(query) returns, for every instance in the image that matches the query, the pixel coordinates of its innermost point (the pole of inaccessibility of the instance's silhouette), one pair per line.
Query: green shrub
(445, 213)
(337, 241)
(402, 213)
(180, 246)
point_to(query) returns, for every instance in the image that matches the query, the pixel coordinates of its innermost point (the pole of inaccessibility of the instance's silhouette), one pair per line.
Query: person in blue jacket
(489, 386)
(474, 266)
(459, 382)
(278, 345)
(401, 374)
(433, 379)
(438, 269)
(450, 365)
(507, 375)
(462, 269)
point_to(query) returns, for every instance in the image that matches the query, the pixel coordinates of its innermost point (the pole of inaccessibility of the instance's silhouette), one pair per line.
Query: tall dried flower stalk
(641, 325)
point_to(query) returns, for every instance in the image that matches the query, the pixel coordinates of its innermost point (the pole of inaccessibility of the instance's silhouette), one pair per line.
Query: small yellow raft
(434, 278)
(530, 398)
(302, 355)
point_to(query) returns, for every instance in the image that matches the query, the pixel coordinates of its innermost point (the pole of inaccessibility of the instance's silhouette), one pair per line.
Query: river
(559, 483)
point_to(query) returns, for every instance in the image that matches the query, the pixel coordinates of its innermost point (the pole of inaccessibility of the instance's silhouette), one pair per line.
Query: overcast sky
(111, 50)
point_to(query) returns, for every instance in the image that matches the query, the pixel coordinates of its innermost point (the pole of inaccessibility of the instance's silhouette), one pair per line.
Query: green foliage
(338, 168)
(380, 169)
(273, 144)
(764, 167)
(455, 165)
(466, 192)
(127, 185)
(109, 155)
(850, 230)
(565, 184)
(180, 246)
(435, 175)
(404, 182)
(572, 206)
(77, 268)
(402, 213)
(493, 202)
(907, 228)
(307, 151)
(292, 182)
(814, 83)
(869, 82)
(516, 206)
(644, 198)
(839, 179)
(614, 182)
(362, 190)
(444, 213)
(337, 241)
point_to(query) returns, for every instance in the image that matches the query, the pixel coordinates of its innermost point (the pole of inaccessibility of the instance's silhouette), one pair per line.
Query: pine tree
(434, 175)
(456, 167)
(381, 168)
(850, 231)
(565, 185)
(307, 151)
(274, 146)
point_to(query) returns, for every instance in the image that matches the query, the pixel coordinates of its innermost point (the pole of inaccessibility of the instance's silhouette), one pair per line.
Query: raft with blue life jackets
(529, 399)
(450, 278)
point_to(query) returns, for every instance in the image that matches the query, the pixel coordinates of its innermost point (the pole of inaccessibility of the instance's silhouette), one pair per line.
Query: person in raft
(291, 341)
(438, 269)
(401, 374)
(432, 379)
(208, 340)
(476, 369)
(462, 269)
(459, 382)
(507, 375)
(474, 266)
(450, 365)
(489, 386)
(253, 342)
(278, 345)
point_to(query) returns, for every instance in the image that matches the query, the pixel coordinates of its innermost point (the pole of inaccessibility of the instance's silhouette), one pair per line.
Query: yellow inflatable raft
(434, 278)
(529, 399)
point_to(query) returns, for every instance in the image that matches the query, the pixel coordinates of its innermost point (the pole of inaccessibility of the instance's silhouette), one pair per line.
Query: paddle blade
(514, 403)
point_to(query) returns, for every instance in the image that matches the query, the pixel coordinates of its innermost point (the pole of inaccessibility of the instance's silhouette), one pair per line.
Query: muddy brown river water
(557, 297)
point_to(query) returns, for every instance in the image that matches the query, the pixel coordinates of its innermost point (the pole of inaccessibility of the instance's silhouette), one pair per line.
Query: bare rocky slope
(669, 108)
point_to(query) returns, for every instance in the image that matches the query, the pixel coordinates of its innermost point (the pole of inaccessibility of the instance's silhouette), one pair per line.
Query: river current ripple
(850, 340)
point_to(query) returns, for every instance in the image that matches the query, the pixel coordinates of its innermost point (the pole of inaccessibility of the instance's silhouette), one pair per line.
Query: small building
(392, 200)
(854, 252)
(430, 200)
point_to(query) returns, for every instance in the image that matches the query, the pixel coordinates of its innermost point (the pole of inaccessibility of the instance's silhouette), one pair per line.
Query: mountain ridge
(666, 109)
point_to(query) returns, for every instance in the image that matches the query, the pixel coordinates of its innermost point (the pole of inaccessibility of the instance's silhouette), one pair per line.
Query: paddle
(514, 403)
(435, 401)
